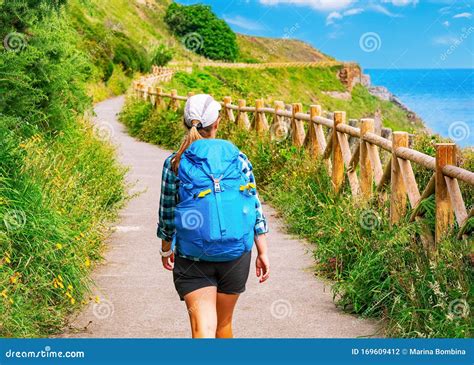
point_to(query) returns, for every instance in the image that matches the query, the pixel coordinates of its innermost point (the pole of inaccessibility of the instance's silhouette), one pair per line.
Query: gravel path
(138, 298)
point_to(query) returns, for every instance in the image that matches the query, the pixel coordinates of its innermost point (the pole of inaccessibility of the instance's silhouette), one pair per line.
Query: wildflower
(97, 299)
(73, 301)
(59, 246)
(14, 278)
(88, 262)
(69, 287)
(4, 293)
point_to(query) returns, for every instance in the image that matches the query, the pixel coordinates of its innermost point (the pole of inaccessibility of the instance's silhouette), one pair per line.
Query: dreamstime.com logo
(279, 131)
(369, 220)
(281, 309)
(47, 353)
(370, 42)
(14, 219)
(192, 219)
(103, 309)
(15, 42)
(193, 41)
(459, 131)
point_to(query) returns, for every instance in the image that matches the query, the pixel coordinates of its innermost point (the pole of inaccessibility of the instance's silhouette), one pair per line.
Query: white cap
(203, 108)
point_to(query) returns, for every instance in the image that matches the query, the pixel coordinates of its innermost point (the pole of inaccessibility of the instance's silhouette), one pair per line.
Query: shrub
(202, 32)
(161, 56)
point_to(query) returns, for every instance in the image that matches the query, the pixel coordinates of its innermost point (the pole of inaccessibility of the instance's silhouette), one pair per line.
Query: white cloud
(335, 15)
(401, 2)
(321, 5)
(463, 15)
(353, 11)
(445, 40)
(382, 10)
(446, 23)
(242, 22)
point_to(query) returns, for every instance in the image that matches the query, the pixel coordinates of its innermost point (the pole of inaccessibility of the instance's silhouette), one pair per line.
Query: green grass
(378, 271)
(292, 84)
(55, 202)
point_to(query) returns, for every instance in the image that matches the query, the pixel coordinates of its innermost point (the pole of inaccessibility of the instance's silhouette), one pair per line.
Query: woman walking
(209, 218)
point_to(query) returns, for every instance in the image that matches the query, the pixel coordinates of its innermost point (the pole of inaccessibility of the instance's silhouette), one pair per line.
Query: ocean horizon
(442, 98)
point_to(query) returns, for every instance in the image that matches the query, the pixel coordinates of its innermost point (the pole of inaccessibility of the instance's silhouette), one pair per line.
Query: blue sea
(443, 98)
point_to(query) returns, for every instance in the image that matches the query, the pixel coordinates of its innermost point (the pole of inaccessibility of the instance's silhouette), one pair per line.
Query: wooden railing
(342, 160)
(325, 63)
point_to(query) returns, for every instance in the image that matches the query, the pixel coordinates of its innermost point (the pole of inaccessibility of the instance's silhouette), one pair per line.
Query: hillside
(263, 49)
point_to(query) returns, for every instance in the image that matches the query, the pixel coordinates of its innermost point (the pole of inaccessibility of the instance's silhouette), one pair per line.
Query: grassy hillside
(305, 85)
(263, 49)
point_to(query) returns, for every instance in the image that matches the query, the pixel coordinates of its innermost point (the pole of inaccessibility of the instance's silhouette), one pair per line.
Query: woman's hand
(168, 262)
(263, 267)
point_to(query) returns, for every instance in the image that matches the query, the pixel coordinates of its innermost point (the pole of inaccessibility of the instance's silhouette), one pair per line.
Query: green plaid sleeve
(168, 200)
(261, 225)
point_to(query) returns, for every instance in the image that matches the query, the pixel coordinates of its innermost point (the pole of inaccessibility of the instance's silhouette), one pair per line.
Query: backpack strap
(217, 194)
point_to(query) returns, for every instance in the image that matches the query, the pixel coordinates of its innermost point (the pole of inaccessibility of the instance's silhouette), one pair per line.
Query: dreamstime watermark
(103, 309)
(192, 219)
(15, 42)
(458, 308)
(370, 42)
(103, 131)
(465, 33)
(288, 32)
(459, 131)
(193, 41)
(14, 219)
(279, 131)
(281, 308)
(46, 353)
(369, 220)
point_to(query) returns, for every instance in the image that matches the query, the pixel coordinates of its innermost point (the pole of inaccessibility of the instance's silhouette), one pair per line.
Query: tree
(202, 31)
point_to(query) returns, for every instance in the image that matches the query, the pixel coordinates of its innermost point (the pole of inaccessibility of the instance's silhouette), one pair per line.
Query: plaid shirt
(169, 199)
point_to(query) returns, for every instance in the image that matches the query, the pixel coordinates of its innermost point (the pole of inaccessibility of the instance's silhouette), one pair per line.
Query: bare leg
(225, 310)
(201, 306)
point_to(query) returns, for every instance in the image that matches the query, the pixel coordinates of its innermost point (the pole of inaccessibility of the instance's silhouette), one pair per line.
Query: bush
(202, 32)
(59, 183)
(161, 56)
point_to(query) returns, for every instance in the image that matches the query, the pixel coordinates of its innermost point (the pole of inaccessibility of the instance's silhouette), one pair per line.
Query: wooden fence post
(337, 158)
(242, 116)
(261, 124)
(297, 126)
(228, 113)
(366, 173)
(398, 197)
(445, 155)
(151, 97)
(174, 103)
(159, 98)
(312, 138)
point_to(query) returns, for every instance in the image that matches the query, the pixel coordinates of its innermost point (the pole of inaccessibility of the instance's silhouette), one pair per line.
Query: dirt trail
(138, 298)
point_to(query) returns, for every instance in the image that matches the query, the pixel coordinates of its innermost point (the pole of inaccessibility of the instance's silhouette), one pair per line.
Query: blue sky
(375, 33)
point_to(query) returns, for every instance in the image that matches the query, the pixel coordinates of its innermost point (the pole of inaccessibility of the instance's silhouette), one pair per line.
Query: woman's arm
(263, 263)
(261, 227)
(168, 199)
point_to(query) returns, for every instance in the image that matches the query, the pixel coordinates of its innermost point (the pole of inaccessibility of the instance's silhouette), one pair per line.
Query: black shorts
(229, 277)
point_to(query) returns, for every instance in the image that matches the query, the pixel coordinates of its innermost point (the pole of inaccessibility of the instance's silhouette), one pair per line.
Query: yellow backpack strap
(203, 193)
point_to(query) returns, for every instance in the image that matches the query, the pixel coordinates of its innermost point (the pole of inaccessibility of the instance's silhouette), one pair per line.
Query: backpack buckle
(217, 185)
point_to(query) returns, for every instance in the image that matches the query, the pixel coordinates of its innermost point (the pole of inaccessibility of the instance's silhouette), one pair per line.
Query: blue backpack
(216, 214)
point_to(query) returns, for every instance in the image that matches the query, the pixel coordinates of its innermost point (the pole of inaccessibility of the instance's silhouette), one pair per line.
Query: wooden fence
(342, 160)
(180, 65)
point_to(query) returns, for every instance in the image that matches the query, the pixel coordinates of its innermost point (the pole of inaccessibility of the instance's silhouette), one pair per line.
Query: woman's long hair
(193, 135)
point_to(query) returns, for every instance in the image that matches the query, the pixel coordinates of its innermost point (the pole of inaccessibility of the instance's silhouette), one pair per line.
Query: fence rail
(342, 159)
